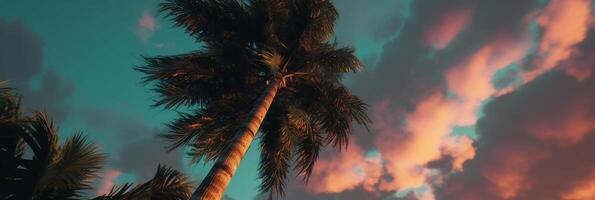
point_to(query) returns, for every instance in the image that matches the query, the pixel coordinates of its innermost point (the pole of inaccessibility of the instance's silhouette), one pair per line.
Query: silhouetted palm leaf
(167, 184)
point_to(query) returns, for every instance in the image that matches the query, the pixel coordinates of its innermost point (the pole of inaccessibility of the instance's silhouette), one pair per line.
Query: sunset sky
(470, 99)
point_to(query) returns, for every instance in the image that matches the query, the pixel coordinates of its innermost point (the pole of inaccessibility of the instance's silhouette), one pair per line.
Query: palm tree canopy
(34, 165)
(246, 44)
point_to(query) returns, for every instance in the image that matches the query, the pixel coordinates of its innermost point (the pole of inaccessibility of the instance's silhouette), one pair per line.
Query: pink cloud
(579, 65)
(108, 181)
(576, 123)
(565, 24)
(407, 152)
(429, 127)
(460, 148)
(146, 26)
(585, 189)
(426, 134)
(507, 172)
(408, 140)
(535, 144)
(346, 170)
(447, 28)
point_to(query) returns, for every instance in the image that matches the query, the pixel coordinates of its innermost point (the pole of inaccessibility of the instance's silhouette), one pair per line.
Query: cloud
(108, 180)
(140, 156)
(565, 24)
(137, 149)
(345, 171)
(21, 52)
(146, 26)
(583, 190)
(420, 99)
(534, 144)
(21, 62)
(51, 96)
(447, 28)
(580, 63)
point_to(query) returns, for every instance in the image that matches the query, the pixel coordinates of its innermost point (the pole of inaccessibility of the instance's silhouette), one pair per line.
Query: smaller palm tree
(166, 184)
(33, 165)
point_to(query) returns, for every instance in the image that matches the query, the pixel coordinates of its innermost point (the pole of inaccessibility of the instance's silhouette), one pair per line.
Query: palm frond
(166, 184)
(170, 184)
(183, 79)
(123, 192)
(319, 19)
(340, 60)
(24, 175)
(276, 146)
(308, 148)
(272, 60)
(75, 165)
(208, 19)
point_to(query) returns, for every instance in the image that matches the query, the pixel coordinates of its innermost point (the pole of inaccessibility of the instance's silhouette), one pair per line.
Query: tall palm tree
(267, 65)
(33, 165)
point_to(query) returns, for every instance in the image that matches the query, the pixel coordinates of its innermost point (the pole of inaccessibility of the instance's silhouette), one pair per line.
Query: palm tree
(267, 65)
(33, 165)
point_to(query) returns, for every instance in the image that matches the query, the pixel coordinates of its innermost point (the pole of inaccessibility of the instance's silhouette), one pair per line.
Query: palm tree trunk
(214, 184)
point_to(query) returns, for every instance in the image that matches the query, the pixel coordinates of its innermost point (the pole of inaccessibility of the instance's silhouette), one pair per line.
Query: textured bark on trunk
(214, 184)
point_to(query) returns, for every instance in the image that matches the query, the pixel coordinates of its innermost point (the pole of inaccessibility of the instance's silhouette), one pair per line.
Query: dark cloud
(20, 53)
(296, 191)
(534, 143)
(21, 58)
(140, 156)
(51, 95)
(138, 149)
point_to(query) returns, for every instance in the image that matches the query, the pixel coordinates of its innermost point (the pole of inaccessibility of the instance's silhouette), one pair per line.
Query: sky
(470, 99)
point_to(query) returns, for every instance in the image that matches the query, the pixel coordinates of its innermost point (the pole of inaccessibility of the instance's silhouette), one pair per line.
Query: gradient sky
(471, 99)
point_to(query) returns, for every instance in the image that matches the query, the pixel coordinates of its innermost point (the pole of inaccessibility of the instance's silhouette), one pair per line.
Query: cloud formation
(431, 84)
(534, 144)
(21, 62)
(107, 182)
(146, 26)
(138, 150)
(447, 28)
(564, 24)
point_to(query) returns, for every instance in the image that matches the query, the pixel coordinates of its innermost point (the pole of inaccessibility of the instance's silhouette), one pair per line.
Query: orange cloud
(535, 144)
(407, 142)
(565, 24)
(569, 130)
(583, 191)
(426, 136)
(507, 172)
(108, 181)
(346, 170)
(461, 149)
(579, 65)
(449, 26)
(407, 156)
